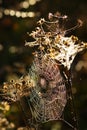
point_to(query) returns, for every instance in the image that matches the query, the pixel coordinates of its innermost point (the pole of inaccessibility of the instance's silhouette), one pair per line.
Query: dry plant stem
(68, 123)
(71, 100)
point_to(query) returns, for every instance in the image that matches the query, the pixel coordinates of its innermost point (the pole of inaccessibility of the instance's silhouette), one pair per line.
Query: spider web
(44, 107)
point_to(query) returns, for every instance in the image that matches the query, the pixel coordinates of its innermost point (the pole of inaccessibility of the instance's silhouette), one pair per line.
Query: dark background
(15, 58)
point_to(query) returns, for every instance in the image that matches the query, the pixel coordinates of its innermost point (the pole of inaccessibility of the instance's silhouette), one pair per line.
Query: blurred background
(17, 18)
